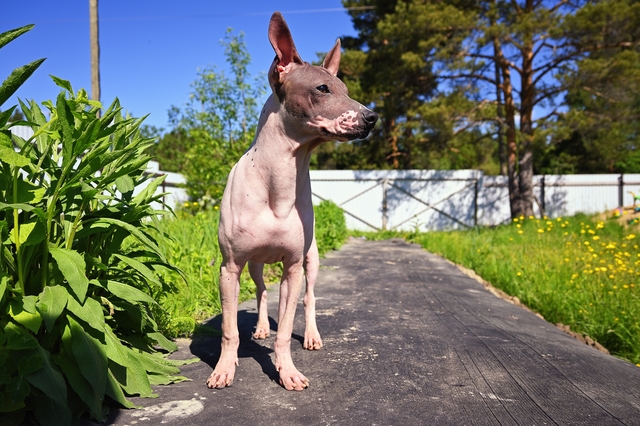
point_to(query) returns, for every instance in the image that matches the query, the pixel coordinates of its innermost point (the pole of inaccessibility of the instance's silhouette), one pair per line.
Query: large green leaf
(16, 78)
(149, 191)
(136, 232)
(29, 193)
(90, 312)
(29, 320)
(8, 36)
(80, 385)
(50, 412)
(114, 390)
(31, 233)
(155, 364)
(140, 267)
(3, 289)
(51, 382)
(72, 266)
(137, 382)
(51, 303)
(91, 356)
(163, 342)
(19, 338)
(127, 292)
(116, 351)
(60, 82)
(125, 184)
(67, 122)
(13, 158)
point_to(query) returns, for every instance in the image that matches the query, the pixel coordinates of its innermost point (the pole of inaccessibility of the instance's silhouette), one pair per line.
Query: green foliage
(599, 133)
(218, 123)
(77, 262)
(331, 227)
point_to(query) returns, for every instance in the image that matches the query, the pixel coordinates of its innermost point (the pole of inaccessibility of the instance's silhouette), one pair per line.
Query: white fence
(440, 199)
(436, 200)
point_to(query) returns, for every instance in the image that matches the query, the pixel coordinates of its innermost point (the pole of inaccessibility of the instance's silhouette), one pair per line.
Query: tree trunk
(510, 136)
(95, 50)
(527, 99)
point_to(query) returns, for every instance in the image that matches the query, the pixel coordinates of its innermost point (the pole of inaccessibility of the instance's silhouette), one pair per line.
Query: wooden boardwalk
(410, 340)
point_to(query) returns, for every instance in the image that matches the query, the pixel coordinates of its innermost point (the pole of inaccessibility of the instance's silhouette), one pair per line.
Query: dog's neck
(281, 154)
(282, 144)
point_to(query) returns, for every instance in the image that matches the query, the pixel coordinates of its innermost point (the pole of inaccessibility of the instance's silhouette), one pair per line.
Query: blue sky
(150, 51)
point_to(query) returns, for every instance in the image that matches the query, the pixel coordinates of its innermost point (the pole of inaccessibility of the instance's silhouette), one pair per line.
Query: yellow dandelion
(559, 219)
(515, 219)
(520, 231)
(519, 273)
(596, 238)
(625, 286)
(582, 231)
(612, 276)
(566, 233)
(566, 259)
(518, 226)
(540, 231)
(531, 217)
(586, 243)
(545, 217)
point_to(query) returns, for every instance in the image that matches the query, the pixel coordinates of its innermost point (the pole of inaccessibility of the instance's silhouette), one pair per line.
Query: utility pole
(95, 50)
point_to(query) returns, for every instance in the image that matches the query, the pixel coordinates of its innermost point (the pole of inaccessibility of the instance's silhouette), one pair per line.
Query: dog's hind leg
(262, 327)
(225, 369)
(312, 340)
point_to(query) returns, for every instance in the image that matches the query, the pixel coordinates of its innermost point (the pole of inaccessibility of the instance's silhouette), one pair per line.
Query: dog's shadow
(206, 346)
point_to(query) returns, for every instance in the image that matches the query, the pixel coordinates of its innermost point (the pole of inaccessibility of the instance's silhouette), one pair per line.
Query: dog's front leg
(290, 287)
(312, 340)
(262, 327)
(229, 284)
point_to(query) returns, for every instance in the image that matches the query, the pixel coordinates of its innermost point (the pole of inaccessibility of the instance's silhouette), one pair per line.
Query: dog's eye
(323, 88)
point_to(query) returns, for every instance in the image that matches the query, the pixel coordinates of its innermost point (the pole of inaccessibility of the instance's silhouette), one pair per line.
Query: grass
(191, 242)
(579, 271)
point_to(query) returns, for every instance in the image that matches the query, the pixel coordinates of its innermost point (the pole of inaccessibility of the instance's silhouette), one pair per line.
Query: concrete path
(409, 340)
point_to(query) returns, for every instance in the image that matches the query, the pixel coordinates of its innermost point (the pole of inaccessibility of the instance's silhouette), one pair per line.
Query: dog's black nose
(370, 116)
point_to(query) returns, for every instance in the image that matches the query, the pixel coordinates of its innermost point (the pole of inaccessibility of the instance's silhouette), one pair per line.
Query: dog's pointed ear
(332, 60)
(287, 56)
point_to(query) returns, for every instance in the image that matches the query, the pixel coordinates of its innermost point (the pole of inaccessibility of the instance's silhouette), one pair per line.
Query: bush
(331, 227)
(77, 262)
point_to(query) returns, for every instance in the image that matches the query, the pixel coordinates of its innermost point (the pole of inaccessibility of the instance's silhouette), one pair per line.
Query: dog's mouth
(348, 126)
(362, 133)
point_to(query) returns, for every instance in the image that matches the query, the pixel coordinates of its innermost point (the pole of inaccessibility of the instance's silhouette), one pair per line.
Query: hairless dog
(266, 213)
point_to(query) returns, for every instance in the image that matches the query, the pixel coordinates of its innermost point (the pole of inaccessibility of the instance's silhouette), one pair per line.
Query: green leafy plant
(77, 261)
(331, 227)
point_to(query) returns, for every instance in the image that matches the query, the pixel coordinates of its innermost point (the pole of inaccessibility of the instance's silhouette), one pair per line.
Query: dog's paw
(220, 380)
(261, 333)
(222, 375)
(312, 341)
(293, 380)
